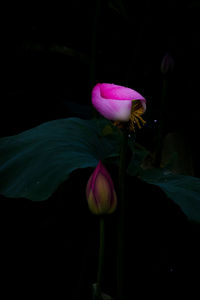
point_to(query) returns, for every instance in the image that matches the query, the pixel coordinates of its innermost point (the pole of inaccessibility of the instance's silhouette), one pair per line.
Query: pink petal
(117, 92)
(112, 109)
(105, 173)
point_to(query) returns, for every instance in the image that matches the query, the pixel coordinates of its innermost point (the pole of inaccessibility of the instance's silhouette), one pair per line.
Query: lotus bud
(100, 192)
(167, 64)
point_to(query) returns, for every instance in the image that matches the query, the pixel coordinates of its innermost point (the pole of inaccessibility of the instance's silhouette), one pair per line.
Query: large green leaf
(139, 153)
(183, 190)
(34, 163)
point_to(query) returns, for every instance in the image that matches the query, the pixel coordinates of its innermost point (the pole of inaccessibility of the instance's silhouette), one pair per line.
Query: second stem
(120, 254)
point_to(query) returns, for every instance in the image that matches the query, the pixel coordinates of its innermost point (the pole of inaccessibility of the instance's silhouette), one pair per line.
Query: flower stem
(94, 41)
(162, 125)
(97, 286)
(120, 254)
(101, 251)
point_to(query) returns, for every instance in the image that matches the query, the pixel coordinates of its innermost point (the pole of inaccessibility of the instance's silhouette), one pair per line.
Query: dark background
(51, 57)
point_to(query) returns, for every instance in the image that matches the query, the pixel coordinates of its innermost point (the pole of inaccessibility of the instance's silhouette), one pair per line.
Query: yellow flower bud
(100, 192)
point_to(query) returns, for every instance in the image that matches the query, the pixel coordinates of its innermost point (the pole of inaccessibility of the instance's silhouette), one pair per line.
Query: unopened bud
(100, 192)
(167, 64)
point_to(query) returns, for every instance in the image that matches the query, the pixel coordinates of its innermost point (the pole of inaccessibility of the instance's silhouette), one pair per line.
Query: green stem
(162, 125)
(163, 106)
(97, 286)
(120, 254)
(101, 252)
(94, 42)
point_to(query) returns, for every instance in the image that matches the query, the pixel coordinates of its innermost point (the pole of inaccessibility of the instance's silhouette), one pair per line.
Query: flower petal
(92, 203)
(103, 194)
(139, 106)
(112, 109)
(117, 92)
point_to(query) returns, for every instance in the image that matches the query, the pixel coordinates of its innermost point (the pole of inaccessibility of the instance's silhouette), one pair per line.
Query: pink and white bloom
(118, 103)
(100, 192)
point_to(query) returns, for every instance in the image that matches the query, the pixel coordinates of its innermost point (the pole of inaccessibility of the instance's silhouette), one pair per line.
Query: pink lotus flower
(100, 192)
(119, 103)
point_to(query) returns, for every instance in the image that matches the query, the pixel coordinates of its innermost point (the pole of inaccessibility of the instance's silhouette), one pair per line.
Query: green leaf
(183, 190)
(35, 162)
(139, 153)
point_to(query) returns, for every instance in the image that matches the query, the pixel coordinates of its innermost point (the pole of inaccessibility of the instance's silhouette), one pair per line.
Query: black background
(54, 54)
